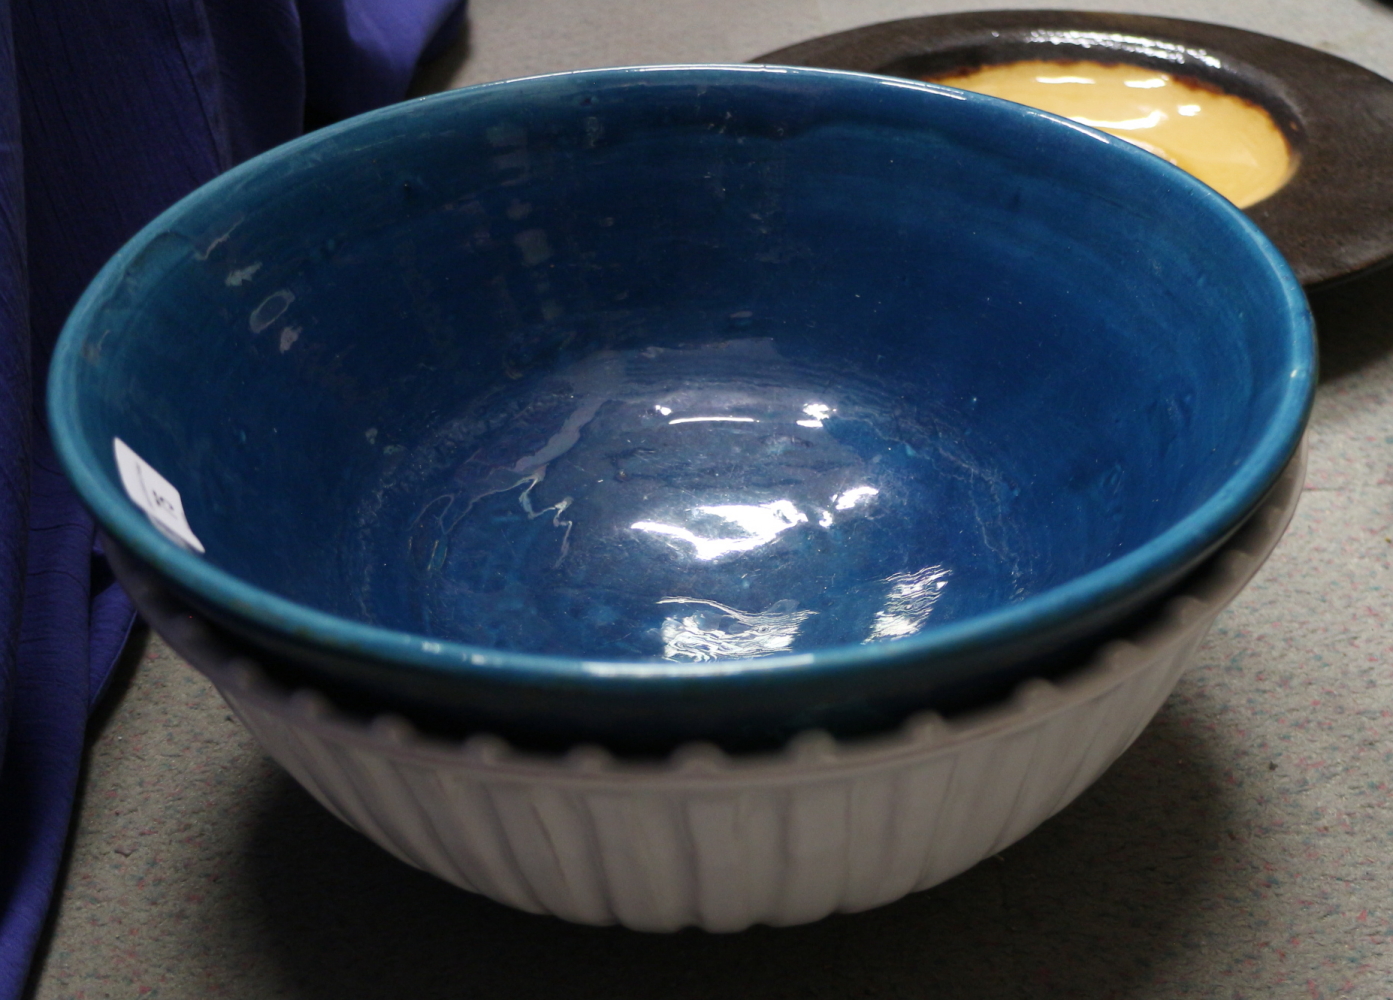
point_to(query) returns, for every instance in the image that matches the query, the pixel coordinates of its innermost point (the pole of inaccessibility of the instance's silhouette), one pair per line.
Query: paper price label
(155, 495)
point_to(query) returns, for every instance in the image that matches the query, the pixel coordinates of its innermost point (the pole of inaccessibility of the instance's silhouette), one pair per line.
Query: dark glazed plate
(1331, 221)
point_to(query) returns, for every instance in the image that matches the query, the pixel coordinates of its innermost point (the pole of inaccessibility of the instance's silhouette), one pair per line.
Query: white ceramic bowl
(717, 841)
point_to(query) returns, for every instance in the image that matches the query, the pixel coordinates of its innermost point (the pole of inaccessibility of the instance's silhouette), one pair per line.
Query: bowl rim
(299, 623)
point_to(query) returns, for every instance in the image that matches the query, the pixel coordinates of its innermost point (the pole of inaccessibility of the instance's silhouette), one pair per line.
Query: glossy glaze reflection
(690, 504)
(1229, 143)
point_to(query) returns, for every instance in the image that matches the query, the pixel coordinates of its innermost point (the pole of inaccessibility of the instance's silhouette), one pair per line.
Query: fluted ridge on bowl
(784, 843)
(705, 838)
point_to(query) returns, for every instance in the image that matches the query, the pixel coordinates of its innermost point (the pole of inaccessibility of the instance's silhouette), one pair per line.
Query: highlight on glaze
(713, 501)
(712, 631)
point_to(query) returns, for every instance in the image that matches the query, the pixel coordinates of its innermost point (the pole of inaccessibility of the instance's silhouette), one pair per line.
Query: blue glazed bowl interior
(686, 365)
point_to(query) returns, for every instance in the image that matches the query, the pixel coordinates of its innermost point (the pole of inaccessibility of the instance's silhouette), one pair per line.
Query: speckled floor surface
(1242, 848)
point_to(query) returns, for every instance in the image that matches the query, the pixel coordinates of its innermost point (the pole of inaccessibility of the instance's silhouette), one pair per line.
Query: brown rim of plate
(1332, 220)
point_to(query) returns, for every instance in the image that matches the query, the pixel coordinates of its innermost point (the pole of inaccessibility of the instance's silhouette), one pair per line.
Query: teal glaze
(418, 379)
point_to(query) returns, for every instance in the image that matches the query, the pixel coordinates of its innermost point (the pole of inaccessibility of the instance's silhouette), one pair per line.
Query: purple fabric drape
(109, 112)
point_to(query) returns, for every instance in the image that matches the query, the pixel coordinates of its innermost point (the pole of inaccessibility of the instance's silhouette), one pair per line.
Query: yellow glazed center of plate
(1229, 143)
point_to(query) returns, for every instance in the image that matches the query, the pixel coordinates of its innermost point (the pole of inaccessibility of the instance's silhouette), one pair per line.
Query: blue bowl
(645, 405)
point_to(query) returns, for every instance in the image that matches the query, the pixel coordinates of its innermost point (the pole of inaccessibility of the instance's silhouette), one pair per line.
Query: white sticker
(155, 495)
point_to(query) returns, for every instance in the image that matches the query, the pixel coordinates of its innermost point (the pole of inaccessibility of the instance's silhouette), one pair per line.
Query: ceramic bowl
(1330, 220)
(647, 405)
(707, 839)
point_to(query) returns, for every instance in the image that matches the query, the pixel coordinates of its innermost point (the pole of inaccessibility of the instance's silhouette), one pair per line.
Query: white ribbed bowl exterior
(718, 841)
